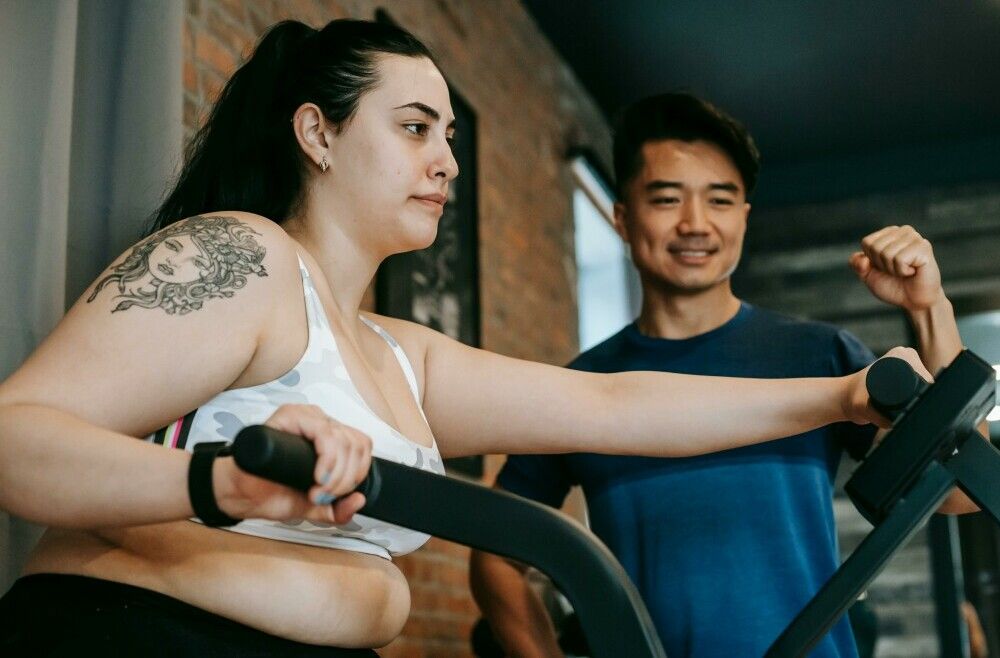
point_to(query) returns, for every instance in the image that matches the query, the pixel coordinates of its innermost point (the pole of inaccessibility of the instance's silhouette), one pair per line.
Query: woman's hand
(856, 403)
(344, 456)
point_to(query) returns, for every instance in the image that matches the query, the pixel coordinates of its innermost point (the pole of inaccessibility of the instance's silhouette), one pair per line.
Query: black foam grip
(285, 458)
(893, 385)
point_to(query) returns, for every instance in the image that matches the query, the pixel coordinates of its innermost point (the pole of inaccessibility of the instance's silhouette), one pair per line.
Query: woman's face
(392, 163)
(178, 259)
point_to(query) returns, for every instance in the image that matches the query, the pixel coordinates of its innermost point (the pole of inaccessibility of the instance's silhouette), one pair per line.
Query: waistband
(40, 606)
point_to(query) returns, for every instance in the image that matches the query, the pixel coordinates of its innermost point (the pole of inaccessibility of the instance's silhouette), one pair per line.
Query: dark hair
(684, 117)
(246, 157)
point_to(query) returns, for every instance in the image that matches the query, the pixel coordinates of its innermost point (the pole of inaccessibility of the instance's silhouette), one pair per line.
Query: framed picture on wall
(438, 287)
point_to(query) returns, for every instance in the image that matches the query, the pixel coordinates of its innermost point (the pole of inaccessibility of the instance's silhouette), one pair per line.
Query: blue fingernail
(326, 477)
(325, 499)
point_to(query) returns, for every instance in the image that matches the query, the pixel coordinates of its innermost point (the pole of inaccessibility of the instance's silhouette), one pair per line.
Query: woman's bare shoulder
(172, 321)
(188, 264)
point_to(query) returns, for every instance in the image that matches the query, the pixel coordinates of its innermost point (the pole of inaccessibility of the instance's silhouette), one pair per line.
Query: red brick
(261, 16)
(332, 10)
(190, 112)
(442, 600)
(424, 568)
(235, 10)
(212, 54)
(237, 39)
(299, 10)
(439, 628)
(211, 85)
(308, 12)
(448, 548)
(190, 77)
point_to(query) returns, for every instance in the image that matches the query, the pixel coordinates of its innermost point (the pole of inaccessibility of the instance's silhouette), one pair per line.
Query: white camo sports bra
(319, 378)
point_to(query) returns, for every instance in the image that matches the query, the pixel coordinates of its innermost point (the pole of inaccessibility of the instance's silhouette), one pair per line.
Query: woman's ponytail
(242, 158)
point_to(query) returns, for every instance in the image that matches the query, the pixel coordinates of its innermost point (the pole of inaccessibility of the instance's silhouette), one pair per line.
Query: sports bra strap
(316, 317)
(404, 361)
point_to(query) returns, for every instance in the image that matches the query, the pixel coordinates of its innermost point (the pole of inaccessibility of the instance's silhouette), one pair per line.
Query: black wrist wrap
(200, 489)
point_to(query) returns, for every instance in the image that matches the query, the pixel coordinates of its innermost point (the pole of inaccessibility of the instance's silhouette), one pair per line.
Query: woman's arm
(478, 402)
(56, 469)
(121, 364)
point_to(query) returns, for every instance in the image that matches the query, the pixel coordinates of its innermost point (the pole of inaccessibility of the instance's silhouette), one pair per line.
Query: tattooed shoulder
(186, 263)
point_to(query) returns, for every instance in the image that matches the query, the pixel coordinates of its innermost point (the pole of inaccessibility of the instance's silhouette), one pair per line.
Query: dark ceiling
(863, 96)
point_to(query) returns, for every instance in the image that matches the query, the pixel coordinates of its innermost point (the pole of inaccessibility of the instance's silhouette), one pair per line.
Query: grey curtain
(90, 135)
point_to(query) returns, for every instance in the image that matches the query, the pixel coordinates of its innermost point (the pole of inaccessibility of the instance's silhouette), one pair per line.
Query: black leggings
(61, 615)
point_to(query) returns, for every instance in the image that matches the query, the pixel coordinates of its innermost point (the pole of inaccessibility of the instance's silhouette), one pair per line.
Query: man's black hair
(687, 118)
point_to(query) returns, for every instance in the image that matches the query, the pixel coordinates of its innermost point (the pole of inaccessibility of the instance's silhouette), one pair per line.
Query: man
(724, 548)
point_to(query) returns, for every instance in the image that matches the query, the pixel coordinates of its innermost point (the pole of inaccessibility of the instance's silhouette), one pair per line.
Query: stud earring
(324, 165)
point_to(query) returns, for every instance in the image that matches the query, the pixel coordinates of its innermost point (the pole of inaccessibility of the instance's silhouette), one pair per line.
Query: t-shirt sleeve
(543, 478)
(851, 355)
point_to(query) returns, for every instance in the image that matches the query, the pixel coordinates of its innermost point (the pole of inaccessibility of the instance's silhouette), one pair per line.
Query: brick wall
(530, 110)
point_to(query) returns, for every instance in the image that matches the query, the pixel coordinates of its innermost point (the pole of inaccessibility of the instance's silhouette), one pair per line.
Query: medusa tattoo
(180, 267)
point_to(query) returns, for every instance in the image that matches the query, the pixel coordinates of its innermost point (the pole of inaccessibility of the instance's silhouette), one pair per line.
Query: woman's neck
(347, 266)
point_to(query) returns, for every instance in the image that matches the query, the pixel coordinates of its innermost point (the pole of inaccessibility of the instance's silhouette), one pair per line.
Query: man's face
(684, 215)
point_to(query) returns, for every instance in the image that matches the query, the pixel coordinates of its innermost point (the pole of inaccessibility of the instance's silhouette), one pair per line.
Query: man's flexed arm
(898, 266)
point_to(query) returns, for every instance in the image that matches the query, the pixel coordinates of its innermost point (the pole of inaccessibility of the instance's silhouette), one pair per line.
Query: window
(607, 286)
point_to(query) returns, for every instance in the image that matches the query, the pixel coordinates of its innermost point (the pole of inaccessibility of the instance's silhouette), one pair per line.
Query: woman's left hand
(856, 402)
(344, 456)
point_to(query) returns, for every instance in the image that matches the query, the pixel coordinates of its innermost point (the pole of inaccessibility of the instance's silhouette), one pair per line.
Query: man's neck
(678, 315)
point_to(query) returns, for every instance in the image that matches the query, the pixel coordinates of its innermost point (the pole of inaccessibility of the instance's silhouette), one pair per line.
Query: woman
(327, 152)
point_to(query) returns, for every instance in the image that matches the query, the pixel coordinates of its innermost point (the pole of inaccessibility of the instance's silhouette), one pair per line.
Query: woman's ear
(313, 133)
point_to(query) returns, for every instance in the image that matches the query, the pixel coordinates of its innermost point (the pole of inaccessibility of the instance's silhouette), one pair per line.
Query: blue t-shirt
(725, 548)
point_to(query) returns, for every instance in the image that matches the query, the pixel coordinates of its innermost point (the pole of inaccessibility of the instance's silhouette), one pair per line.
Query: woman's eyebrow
(426, 109)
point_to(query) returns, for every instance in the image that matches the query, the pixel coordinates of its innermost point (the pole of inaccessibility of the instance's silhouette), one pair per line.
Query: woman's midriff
(304, 593)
